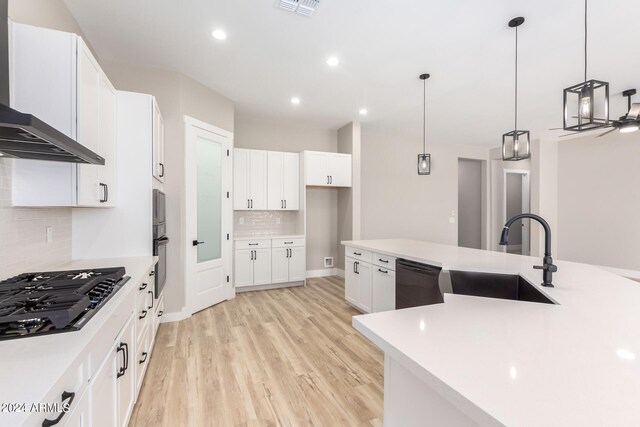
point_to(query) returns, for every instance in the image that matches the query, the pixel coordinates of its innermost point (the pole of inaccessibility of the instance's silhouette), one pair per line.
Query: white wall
(396, 201)
(599, 200)
(322, 204)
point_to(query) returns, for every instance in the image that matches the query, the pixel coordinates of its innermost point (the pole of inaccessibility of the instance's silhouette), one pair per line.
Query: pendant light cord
(585, 40)
(424, 117)
(516, 86)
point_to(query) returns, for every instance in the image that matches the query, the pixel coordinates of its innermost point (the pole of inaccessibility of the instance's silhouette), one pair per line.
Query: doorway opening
(516, 201)
(471, 203)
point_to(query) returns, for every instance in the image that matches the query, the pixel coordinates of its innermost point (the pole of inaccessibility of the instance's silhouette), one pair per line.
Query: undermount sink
(495, 285)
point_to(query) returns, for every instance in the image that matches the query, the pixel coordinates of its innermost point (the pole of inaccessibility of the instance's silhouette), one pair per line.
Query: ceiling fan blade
(634, 111)
(606, 133)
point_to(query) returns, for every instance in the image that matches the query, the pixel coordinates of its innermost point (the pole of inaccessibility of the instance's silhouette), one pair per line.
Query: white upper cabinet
(158, 143)
(55, 77)
(249, 179)
(283, 181)
(327, 169)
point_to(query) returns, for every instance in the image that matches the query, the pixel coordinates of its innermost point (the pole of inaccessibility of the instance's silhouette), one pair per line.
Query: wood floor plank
(282, 357)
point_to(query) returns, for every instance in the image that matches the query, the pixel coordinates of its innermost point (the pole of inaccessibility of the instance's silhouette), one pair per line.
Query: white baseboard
(340, 272)
(324, 272)
(268, 287)
(176, 316)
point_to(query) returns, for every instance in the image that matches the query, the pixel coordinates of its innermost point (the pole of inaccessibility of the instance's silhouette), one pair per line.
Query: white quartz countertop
(29, 367)
(268, 236)
(576, 363)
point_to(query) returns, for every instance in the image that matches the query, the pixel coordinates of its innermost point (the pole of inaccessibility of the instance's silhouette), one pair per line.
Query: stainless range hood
(24, 136)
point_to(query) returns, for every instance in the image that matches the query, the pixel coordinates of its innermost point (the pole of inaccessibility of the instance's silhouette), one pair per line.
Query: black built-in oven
(160, 240)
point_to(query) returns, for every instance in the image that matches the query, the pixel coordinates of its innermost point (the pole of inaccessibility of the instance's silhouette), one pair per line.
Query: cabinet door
(366, 286)
(107, 173)
(244, 268)
(291, 181)
(275, 175)
(258, 179)
(340, 170)
(158, 143)
(241, 179)
(88, 123)
(297, 264)
(127, 382)
(316, 169)
(351, 281)
(104, 409)
(279, 265)
(80, 416)
(261, 266)
(384, 289)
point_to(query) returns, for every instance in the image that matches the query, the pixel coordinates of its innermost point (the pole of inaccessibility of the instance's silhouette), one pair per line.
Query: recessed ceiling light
(295, 100)
(219, 34)
(333, 61)
(363, 111)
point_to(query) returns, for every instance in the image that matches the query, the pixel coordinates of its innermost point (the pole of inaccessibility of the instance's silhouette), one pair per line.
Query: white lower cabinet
(104, 407)
(370, 282)
(384, 289)
(265, 262)
(80, 415)
(288, 263)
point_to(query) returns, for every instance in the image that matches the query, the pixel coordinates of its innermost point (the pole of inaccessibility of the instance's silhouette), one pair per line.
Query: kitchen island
(493, 362)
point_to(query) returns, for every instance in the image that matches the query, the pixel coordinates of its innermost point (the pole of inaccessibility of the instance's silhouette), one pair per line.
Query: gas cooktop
(56, 301)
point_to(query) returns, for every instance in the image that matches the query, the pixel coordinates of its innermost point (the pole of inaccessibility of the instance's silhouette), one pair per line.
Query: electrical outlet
(328, 262)
(453, 212)
(49, 234)
(452, 220)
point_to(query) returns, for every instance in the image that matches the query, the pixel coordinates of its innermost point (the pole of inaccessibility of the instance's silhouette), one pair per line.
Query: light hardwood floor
(284, 357)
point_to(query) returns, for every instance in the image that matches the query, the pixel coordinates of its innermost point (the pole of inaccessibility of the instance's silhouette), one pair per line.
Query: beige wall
(322, 204)
(177, 96)
(599, 200)
(23, 245)
(349, 199)
(396, 201)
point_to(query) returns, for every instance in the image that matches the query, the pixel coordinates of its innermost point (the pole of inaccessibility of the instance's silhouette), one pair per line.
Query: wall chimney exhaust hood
(25, 136)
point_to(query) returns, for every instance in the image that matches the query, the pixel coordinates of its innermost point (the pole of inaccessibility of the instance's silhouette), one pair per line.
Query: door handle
(152, 298)
(251, 203)
(143, 315)
(330, 179)
(383, 271)
(248, 204)
(255, 255)
(66, 395)
(105, 193)
(327, 179)
(196, 243)
(281, 204)
(144, 357)
(123, 367)
(142, 287)
(285, 204)
(162, 171)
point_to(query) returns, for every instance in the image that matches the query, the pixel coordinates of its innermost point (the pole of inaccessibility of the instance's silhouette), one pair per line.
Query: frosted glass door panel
(209, 199)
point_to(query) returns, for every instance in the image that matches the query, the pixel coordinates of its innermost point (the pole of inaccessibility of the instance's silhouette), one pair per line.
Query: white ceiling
(466, 45)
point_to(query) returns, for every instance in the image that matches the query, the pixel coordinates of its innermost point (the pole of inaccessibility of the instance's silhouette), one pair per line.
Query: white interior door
(208, 216)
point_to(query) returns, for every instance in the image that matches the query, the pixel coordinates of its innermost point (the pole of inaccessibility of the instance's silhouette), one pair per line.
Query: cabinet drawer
(143, 353)
(253, 244)
(68, 389)
(143, 314)
(287, 243)
(358, 254)
(385, 261)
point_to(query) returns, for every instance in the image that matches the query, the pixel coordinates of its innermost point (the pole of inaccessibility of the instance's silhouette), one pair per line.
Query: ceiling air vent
(303, 7)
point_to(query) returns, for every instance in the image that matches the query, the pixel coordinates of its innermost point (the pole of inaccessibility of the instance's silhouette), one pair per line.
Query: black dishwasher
(417, 284)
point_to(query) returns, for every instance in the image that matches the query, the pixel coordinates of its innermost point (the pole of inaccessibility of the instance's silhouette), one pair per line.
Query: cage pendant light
(424, 159)
(516, 144)
(586, 105)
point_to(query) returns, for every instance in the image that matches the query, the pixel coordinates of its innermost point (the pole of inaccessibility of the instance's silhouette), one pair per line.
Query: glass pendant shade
(424, 164)
(586, 106)
(516, 145)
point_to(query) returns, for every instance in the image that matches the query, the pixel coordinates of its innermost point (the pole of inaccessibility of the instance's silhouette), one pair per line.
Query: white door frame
(526, 205)
(190, 225)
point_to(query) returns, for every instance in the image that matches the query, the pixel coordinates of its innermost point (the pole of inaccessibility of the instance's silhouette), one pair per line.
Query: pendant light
(516, 144)
(586, 105)
(424, 159)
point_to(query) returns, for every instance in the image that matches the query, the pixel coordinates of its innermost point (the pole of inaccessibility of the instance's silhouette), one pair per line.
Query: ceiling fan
(630, 122)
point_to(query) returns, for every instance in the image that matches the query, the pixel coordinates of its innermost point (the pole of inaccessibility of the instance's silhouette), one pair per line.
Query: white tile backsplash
(23, 245)
(264, 223)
